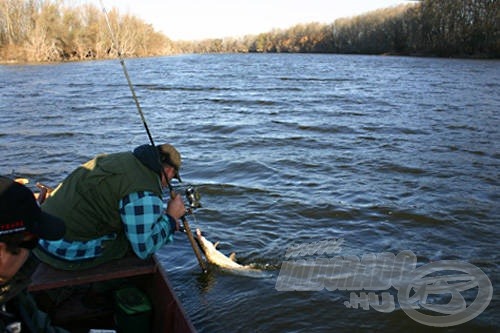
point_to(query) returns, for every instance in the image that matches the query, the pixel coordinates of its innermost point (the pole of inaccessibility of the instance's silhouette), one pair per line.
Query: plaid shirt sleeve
(146, 226)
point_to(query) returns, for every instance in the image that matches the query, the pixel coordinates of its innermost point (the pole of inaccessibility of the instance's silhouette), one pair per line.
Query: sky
(200, 19)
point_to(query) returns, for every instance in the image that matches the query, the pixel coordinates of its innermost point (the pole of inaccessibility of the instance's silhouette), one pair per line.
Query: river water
(371, 154)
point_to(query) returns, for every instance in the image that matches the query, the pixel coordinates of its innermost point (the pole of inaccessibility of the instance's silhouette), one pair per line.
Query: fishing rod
(185, 223)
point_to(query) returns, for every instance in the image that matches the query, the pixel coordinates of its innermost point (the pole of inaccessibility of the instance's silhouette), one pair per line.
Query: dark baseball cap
(19, 211)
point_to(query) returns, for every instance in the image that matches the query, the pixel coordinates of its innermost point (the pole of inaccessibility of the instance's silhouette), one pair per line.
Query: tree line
(54, 30)
(445, 28)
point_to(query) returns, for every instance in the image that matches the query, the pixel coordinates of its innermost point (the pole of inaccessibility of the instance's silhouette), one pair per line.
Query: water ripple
(387, 153)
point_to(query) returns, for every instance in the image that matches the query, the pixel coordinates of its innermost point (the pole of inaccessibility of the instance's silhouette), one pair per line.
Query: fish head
(205, 244)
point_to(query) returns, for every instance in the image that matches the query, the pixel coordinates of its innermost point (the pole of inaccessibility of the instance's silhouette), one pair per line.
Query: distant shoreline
(425, 29)
(387, 54)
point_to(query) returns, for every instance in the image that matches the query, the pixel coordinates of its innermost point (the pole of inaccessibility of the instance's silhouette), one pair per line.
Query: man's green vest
(88, 199)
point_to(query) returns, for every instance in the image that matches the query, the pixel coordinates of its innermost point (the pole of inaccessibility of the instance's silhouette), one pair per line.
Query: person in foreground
(113, 206)
(21, 224)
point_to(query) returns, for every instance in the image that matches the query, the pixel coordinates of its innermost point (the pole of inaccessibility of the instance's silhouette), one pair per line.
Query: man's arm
(146, 224)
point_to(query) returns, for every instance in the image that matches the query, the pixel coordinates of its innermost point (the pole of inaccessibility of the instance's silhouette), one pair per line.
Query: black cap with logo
(19, 211)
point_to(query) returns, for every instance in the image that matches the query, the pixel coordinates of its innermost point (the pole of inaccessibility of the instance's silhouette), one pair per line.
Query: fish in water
(217, 258)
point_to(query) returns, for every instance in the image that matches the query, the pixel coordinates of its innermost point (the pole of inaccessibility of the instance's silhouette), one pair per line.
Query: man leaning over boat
(112, 207)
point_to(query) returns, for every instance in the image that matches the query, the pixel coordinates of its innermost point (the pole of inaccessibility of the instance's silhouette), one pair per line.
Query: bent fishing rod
(185, 223)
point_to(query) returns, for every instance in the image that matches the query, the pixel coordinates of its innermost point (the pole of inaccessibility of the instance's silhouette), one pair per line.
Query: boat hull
(83, 300)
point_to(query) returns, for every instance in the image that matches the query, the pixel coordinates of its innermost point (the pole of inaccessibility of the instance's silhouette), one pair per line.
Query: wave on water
(387, 153)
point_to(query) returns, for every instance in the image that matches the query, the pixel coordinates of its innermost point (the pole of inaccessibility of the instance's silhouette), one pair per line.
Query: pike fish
(217, 258)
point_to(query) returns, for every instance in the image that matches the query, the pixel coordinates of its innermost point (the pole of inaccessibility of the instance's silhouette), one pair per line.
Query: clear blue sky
(198, 19)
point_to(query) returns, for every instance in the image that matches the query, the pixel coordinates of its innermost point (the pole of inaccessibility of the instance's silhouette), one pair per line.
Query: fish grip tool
(143, 119)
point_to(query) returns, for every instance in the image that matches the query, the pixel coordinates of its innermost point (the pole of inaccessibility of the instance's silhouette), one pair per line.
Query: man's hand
(175, 207)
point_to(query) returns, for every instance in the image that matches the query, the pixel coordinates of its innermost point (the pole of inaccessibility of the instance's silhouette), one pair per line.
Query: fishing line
(187, 229)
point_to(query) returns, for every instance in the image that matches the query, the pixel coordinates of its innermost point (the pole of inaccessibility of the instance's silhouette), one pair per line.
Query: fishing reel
(193, 198)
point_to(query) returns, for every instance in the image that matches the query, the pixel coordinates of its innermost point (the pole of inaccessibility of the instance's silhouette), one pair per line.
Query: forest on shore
(55, 30)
